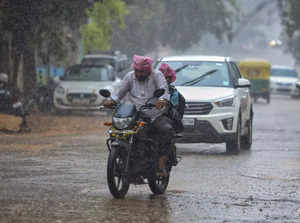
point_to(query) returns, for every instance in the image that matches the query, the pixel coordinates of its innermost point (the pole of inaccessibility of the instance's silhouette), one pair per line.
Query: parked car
(295, 92)
(78, 88)
(283, 78)
(116, 59)
(218, 102)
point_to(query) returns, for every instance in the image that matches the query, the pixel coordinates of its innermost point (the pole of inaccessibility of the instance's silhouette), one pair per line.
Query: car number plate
(188, 121)
(80, 101)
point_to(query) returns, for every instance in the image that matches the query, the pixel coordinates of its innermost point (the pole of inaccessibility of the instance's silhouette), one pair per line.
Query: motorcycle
(133, 155)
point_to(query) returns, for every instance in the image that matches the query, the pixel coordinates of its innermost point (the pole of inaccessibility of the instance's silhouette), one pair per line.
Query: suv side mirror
(243, 83)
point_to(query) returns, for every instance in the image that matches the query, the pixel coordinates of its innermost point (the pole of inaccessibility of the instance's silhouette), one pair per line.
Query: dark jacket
(8, 97)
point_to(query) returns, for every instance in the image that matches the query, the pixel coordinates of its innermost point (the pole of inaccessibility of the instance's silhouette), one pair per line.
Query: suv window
(283, 72)
(98, 61)
(117, 60)
(237, 73)
(195, 69)
(88, 73)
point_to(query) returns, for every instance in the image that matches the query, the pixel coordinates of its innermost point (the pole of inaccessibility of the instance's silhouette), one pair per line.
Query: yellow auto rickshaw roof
(254, 63)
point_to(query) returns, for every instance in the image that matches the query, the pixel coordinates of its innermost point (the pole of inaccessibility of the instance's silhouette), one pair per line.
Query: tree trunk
(29, 74)
(16, 65)
(48, 66)
(4, 57)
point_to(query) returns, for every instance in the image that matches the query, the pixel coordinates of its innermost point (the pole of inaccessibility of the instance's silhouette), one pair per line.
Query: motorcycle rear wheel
(116, 181)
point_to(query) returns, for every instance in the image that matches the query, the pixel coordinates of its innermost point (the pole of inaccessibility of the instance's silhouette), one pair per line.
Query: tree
(174, 23)
(290, 19)
(97, 34)
(45, 27)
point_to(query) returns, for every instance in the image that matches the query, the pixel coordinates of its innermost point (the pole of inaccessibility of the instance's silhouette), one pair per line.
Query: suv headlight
(228, 102)
(60, 90)
(121, 123)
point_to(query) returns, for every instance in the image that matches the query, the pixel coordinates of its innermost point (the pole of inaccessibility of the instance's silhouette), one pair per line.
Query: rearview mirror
(105, 93)
(158, 92)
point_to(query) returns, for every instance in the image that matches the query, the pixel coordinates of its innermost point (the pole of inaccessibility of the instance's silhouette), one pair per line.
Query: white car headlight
(121, 123)
(228, 102)
(60, 90)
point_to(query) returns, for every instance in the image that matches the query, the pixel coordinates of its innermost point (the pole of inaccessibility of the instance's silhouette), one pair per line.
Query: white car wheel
(233, 146)
(247, 139)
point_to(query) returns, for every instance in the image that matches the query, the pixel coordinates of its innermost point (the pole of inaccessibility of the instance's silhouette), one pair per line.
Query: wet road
(63, 179)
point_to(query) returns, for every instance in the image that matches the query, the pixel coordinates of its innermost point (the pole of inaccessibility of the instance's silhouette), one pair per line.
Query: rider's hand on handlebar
(109, 103)
(161, 103)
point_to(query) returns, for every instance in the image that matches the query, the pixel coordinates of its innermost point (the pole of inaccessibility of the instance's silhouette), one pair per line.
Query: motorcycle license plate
(188, 122)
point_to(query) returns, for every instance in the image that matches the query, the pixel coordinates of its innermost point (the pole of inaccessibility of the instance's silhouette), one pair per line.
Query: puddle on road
(183, 206)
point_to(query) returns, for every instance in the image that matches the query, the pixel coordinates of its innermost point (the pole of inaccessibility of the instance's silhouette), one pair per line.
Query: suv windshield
(282, 72)
(218, 78)
(81, 73)
(98, 61)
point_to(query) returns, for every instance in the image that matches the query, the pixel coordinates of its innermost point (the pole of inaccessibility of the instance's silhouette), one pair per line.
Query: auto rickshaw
(258, 73)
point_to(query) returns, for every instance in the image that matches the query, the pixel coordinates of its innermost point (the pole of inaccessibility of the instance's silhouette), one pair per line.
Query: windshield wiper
(181, 68)
(198, 79)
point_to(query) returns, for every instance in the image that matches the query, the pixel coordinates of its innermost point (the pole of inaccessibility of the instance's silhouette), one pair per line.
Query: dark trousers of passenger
(164, 133)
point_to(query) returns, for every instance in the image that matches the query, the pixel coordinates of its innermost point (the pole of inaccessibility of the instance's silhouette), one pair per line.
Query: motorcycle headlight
(60, 90)
(228, 102)
(121, 123)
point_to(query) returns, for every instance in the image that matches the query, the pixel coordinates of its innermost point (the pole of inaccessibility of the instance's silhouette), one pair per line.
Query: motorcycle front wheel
(117, 183)
(159, 184)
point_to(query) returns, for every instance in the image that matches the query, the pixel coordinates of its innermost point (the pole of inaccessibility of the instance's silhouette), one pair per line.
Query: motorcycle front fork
(128, 156)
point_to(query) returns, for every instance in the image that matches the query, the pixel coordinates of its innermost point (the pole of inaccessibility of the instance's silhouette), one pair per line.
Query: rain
(237, 157)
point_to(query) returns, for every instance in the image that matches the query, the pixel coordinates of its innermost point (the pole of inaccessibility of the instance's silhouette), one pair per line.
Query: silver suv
(116, 59)
(218, 103)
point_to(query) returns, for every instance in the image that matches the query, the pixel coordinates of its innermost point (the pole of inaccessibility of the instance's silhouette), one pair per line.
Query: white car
(283, 79)
(295, 91)
(218, 103)
(79, 87)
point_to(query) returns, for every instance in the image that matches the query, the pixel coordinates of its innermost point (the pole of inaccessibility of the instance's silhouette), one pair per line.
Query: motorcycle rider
(177, 100)
(139, 85)
(10, 104)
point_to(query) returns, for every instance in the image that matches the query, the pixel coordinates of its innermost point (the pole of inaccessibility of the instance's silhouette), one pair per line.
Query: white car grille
(197, 108)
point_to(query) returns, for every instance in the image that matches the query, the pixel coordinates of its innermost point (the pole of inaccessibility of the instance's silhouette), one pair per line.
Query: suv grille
(197, 108)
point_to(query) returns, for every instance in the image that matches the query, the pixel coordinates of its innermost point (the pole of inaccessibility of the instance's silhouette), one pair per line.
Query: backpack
(176, 111)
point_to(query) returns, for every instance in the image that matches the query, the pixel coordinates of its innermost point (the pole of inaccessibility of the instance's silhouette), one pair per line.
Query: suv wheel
(233, 146)
(247, 139)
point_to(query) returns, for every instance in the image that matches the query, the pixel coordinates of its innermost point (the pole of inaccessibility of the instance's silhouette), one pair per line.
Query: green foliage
(173, 23)
(94, 38)
(290, 19)
(97, 34)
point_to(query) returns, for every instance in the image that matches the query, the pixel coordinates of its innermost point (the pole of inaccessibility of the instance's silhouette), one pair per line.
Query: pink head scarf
(167, 71)
(142, 63)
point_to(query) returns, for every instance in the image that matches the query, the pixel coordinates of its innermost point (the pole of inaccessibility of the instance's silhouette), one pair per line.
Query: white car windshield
(81, 73)
(194, 69)
(279, 72)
